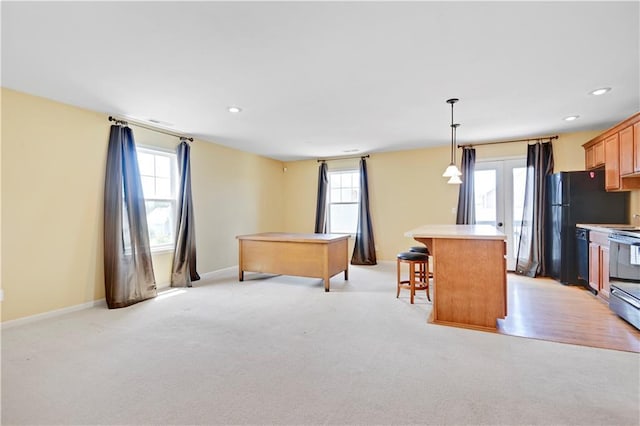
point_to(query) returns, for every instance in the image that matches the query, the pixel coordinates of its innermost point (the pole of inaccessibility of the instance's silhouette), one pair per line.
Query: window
(158, 172)
(344, 196)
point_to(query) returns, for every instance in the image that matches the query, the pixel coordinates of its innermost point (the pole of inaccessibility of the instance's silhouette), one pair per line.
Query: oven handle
(619, 294)
(623, 240)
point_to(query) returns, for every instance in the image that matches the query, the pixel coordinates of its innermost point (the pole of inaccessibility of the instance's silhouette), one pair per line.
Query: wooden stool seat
(419, 249)
(414, 259)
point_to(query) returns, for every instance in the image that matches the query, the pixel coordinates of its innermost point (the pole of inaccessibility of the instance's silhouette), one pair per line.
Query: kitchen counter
(469, 274)
(607, 227)
(457, 231)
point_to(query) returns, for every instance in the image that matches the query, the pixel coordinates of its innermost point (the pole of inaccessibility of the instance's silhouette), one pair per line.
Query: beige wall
(52, 166)
(234, 193)
(1, 286)
(52, 177)
(407, 188)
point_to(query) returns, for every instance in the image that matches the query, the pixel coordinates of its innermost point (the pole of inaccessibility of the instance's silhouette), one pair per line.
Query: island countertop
(484, 232)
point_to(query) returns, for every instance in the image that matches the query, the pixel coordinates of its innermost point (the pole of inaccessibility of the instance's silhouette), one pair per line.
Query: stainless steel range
(624, 275)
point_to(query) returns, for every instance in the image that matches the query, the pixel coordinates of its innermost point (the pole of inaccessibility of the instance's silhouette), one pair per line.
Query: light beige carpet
(282, 351)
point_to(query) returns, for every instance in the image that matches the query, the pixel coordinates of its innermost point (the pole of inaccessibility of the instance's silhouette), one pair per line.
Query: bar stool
(413, 259)
(420, 249)
(424, 250)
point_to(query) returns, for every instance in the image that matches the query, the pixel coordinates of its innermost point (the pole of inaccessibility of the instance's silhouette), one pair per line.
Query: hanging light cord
(454, 144)
(452, 101)
(452, 130)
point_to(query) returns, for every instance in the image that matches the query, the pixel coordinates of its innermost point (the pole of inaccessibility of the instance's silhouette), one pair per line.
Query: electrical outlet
(454, 210)
(1, 295)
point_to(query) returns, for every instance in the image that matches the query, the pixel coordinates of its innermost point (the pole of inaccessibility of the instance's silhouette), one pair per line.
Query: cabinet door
(594, 266)
(636, 147)
(625, 137)
(604, 272)
(589, 159)
(598, 154)
(611, 163)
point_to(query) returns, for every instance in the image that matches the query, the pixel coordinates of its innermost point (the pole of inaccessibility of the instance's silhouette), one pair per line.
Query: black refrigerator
(576, 197)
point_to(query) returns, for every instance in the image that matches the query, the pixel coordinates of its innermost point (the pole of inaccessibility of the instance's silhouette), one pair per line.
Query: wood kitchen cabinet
(599, 263)
(594, 156)
(625, 139)
(618, 149)
(636, 147)
(612, 163)
(604, 271)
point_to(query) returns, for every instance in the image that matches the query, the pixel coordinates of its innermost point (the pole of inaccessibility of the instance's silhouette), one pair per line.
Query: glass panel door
(499, 197)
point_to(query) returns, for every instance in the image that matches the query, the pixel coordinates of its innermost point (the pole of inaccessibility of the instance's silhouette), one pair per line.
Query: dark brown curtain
(183, 270)
(364, 250)
(466, 196)
(128, 270)
(321, 203)
(531, 258)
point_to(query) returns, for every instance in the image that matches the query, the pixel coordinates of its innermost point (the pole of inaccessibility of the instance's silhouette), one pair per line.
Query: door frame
(504, 197)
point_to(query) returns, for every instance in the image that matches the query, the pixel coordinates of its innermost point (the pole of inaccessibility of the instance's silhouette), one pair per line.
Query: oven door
(624, 304)
(624, 277)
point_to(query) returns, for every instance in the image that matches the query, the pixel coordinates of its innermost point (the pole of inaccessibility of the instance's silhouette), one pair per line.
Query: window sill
(162, 250)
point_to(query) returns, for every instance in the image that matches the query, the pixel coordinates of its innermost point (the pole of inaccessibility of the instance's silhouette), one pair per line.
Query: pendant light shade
(454, 180)
(452, 170)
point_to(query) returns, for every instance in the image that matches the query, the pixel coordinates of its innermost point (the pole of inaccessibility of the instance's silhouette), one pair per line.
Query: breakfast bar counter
(469, 274)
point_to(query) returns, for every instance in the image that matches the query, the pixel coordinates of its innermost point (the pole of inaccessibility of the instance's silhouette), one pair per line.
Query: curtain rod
(322, 160)
(469, 145)
(146, 126)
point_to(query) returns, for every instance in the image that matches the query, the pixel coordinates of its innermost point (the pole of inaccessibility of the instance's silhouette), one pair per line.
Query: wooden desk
(470, 274)
(303, 255)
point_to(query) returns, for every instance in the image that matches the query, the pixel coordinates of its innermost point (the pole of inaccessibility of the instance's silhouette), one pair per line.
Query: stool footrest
(417, 285)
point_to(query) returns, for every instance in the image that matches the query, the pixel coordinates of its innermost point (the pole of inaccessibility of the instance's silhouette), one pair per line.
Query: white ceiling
(319, 79)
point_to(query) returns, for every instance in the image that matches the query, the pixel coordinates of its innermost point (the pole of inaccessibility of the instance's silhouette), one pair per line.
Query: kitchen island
(469, 274)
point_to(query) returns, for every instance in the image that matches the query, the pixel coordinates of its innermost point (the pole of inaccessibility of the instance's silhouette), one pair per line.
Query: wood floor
(542, 308)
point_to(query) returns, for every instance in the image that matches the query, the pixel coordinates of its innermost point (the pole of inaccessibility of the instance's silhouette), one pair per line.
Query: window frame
(351, 170)
(173, 199)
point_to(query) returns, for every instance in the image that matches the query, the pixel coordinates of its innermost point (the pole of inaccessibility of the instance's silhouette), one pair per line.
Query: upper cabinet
(625, 136)
(636, 147)
(594, 155)
(618, 149)
(612, 162)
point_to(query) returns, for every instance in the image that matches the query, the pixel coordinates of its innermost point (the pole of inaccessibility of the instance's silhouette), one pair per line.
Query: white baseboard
(163, 285)
(102, 302)
(219, 273)
(54, 313)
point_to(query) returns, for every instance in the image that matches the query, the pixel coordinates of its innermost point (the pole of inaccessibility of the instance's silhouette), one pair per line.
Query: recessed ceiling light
(351, 150)
(571, 118)
(234, 109)
(600, 91)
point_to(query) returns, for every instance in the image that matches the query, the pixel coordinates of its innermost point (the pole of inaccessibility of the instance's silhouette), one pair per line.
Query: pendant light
(452, 169)
(455, 179)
